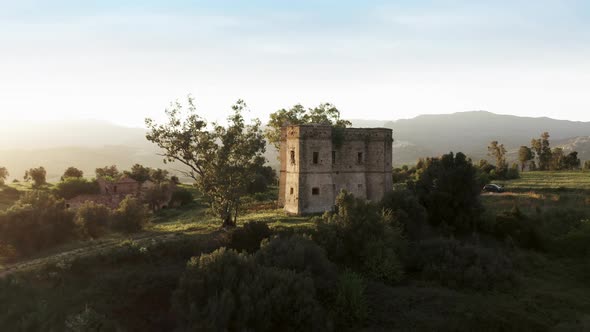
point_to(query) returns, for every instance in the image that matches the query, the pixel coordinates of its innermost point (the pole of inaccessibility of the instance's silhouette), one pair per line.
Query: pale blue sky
(125, 60)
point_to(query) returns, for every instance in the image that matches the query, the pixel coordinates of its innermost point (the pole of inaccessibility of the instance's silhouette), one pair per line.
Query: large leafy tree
(541, 148)
(37, 175)
(571, 161)
(221, 159)
(107, 172)
(498, 151)
(72, 172)
(525, 154)
(325, 113)
(447, 187)
(3, 175)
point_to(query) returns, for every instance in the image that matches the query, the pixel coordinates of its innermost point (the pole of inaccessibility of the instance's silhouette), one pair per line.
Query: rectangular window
(292, 157)
(316, 157)
(359, 158)
(315, 191)
(291, 191)
(333, 157)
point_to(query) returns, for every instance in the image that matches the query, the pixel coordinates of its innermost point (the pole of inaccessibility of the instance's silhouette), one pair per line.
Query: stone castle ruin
(317, 162)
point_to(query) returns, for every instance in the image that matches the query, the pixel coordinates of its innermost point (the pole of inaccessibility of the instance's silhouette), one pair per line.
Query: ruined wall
(316, 167)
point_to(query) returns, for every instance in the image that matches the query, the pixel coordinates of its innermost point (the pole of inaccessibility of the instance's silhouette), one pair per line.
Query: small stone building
(317, 162)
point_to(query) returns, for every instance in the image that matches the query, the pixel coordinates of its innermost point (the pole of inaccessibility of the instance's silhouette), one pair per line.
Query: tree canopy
(37, 175)
(221, 159)
(72, 172)
(325, 113)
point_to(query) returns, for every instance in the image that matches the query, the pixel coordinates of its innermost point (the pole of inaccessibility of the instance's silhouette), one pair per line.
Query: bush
(449, 190)
(574, 243)
(93, 218)
(248, 237)
(181, 197)
(517, 227)
(457, 265)
(360, 237)
(408, 212)
(131, 215)
(300, 254)
(71, 187)
(88, 320)
(351, 307)
(225, 291)
(37, 221)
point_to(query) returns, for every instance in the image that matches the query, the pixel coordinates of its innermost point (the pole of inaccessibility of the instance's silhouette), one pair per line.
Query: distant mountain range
(471, 132)
(91, 144)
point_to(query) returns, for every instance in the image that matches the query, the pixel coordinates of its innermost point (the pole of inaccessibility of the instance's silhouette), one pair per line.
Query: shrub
(360, 237)
(517, 227)
(248, 237)
(88, 320)
(71, 187)
(131, 215)
(225, 291)
(408, 212)
(93, 218)
(300, 254)
(181, 197)
(37, 221)
(457, 265)
(350, 306)
(449, 190)
(574, 243)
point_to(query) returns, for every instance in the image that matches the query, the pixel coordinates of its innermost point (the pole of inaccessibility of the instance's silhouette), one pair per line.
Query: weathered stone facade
(315, 167)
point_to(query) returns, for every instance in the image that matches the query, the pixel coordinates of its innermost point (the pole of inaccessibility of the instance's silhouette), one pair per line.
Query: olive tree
(221, 159)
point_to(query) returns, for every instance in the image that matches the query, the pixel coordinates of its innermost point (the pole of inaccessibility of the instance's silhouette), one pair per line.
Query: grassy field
(549, 181)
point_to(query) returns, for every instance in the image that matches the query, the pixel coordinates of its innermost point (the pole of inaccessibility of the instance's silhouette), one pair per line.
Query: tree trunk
(228, 222)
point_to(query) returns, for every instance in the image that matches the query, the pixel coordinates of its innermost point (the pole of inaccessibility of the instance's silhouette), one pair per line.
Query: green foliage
(37, 175)
(222, 160)
(574, 243)
(36, 222)
(138, 173)
(517, 227)
(71, 187)
(323, 114)
(407, 210)
(225, 290)
(181, 197)
(448, 188)
(111, 172)
(351, 304)
(131, 215)
(3, 175)
(89, 320)
(542, 150)
(587, 165)
(525, 155)
(457, 265)
(300, 254)
(248, 236)
(93, 218)
(499, 153)
(157, 195)
(265, 177)
(72, 172)
(363, 238)
(404, 174)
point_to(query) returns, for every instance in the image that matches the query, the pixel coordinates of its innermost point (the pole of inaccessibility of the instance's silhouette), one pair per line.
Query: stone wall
(314, 168)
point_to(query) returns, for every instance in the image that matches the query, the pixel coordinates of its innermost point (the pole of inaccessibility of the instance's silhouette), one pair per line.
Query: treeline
(539, 156)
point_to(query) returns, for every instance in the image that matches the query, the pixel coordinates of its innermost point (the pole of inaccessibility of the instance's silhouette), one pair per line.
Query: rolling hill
(91, 144)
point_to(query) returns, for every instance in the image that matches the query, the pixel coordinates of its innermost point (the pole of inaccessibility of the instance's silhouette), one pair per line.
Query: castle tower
(317, 162)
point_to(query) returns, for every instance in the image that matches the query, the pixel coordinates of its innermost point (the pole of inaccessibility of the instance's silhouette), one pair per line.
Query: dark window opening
(115, 189)
(360, 157)
(291, 191)
(315, 191)
(333, 157)
(360, 186)
(293, 157)
(316, 157)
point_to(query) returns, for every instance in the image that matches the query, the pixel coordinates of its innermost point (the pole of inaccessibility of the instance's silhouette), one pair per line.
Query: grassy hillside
(544, 181)
(131, 279)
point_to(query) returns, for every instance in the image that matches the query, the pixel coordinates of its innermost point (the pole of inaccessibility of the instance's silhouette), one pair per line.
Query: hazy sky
(125, 60)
